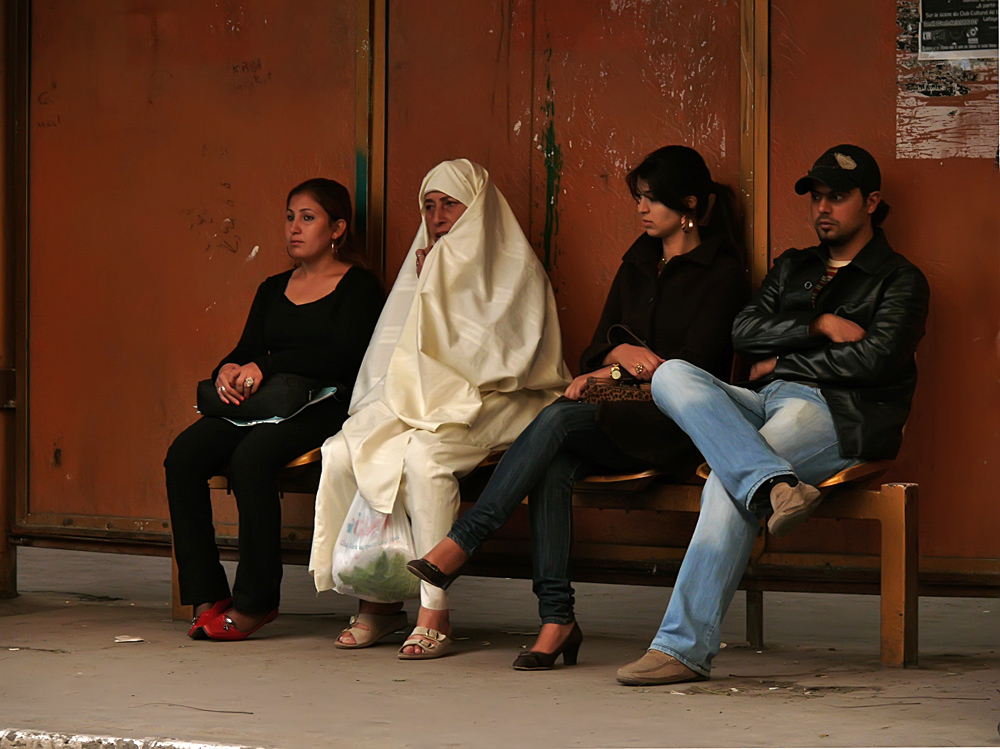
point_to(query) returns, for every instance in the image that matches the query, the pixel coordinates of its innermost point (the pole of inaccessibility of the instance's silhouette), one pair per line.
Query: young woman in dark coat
(675, 295)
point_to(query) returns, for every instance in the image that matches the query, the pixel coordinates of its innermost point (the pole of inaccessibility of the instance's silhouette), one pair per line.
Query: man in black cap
(831, 333)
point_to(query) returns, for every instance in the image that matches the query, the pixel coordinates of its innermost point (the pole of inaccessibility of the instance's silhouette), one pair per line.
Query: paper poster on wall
(944, 108)
(958, 29)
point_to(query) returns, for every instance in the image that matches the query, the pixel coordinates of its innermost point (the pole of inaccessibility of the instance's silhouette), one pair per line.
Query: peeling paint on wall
(944, 108)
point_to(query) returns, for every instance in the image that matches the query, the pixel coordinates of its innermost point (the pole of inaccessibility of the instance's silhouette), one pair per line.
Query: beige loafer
(792, 506)
(379, 626)
(656, 668)
(433, 644)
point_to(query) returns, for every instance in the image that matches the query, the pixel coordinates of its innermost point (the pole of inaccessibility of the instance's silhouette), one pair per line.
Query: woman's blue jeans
(562, 445)
(746, 437)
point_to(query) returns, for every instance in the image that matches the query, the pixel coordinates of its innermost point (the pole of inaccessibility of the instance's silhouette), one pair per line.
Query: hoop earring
(687, 223)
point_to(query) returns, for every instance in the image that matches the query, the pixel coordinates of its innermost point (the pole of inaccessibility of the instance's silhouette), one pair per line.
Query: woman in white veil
(464, 356)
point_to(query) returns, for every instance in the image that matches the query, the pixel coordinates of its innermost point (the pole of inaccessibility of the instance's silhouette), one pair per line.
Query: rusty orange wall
(834, 80)
(151, 128)
(558, 100)
(164, 137)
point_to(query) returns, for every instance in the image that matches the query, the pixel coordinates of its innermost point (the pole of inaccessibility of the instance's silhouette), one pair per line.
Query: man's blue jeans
(747, 437)
(562, 445)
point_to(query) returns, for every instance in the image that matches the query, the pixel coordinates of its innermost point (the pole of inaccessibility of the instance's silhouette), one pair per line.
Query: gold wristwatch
(616, 371)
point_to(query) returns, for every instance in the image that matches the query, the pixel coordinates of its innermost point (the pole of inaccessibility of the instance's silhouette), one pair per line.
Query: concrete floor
(818, 683)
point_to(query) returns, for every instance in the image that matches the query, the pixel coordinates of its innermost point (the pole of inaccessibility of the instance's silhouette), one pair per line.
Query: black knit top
(324, 340)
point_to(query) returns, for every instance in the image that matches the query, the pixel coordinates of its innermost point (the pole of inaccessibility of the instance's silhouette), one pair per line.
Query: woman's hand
(421, 258)
(225, 384)
(636, 361)
(575, 389)
(249, 379)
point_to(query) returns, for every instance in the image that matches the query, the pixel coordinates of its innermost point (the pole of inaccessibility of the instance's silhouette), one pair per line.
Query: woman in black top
(315, 321)
(675, 296)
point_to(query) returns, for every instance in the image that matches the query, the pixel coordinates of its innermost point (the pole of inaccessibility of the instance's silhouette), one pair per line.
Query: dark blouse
(324, 340)
(685, 312)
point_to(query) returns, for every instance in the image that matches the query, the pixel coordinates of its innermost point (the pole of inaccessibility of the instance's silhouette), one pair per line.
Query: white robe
(462, 359)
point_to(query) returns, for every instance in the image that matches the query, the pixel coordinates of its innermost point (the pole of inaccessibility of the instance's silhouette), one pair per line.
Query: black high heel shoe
(431, 573)
(535, 661)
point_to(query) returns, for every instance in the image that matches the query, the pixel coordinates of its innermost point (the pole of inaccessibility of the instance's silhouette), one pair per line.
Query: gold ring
(639, 369)
(248, 383)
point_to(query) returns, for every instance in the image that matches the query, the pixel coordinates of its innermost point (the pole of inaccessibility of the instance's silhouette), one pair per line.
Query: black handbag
(280, 395)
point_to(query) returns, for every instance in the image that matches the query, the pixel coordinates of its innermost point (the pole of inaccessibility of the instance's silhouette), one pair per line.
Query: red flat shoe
(197, 631)
(223, 628)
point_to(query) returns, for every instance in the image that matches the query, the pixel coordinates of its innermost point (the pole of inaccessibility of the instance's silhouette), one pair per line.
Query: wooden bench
(895, 508)
(634, 529)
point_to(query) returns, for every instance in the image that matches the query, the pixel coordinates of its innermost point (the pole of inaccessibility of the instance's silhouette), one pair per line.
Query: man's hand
(763, 368)
(837, 329)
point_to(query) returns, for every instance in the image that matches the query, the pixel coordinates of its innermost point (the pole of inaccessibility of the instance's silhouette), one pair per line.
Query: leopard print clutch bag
(606, 390)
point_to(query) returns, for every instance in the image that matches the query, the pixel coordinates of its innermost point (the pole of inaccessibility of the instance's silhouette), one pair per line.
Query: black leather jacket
(867, 384)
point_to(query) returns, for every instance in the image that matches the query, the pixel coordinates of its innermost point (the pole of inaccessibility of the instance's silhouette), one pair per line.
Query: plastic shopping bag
(369, 560)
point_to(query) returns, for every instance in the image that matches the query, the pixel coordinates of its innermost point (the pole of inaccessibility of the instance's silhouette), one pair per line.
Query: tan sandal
(379, 626)
(432, 644)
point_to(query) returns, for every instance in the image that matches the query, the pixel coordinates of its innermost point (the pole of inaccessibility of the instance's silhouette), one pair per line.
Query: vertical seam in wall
(531, 121)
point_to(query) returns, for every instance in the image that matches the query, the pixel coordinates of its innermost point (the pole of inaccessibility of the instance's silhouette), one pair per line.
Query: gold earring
(687, 223)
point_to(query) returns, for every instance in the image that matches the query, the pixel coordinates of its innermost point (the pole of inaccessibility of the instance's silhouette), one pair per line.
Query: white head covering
(479, 321)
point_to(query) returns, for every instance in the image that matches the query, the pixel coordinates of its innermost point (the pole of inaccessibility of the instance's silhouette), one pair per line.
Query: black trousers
(254, 455)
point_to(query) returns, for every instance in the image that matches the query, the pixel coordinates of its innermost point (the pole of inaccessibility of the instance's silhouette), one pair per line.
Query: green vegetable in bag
(385, 579)
(370, 556)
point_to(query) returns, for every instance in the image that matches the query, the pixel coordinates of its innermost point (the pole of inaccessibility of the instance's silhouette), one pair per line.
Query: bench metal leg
(755, 619)
(899, 514)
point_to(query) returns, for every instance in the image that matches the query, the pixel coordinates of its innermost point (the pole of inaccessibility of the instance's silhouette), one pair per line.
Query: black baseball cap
(843, 168)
